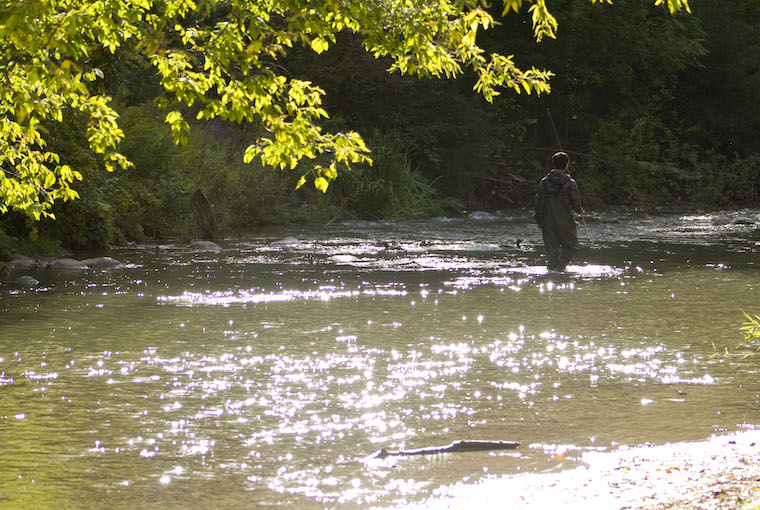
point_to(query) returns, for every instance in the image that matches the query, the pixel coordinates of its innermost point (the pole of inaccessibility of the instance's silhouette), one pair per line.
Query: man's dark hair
(560, 160)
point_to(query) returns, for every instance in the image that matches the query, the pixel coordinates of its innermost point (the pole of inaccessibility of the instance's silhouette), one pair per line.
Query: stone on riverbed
(744, 220)
(21, 264)
(288, 241)
(26, 281)
(66, 266)
(205, 246)
(343, 259)
(103, 263)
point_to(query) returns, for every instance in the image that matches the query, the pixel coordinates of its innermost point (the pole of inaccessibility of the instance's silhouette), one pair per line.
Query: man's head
(560, 160)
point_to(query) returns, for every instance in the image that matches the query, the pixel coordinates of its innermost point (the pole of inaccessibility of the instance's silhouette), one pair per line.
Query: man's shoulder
(546, 178)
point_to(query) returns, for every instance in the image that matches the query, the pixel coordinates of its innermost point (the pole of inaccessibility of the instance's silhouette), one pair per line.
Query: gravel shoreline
(722, 472)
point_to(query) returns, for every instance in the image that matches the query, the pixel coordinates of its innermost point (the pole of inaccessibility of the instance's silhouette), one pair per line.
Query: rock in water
(201, 246)
(21, 264)
(288, 241)
(343, 259)
(103, 263)
(26, 281)
(66, 266)
(744, 220)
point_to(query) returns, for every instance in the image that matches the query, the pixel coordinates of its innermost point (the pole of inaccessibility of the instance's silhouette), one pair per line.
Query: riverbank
(720, 473)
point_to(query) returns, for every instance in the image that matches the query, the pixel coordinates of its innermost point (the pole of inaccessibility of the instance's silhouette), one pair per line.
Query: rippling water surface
(267, 375)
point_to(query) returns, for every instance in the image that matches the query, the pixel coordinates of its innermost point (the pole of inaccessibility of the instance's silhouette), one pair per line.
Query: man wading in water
(557, 198)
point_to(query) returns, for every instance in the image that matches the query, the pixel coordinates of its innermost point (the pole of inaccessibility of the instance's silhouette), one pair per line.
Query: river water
(266, 375)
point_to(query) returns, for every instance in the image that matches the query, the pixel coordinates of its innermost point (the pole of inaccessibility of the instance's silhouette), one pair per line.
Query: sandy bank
(722, 472)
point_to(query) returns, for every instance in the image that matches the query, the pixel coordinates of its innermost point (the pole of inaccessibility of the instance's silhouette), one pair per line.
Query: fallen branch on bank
(456, 446)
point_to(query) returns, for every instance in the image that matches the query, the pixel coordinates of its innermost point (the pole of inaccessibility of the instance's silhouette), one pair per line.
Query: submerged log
(203, 213)
(456, 446)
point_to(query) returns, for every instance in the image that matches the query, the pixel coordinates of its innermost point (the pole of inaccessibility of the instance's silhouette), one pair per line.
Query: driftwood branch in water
(456, 446)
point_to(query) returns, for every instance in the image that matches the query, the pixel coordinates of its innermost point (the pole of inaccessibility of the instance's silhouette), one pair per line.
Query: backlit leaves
(751, 327)
(42, 49)
(221, 59)
(544, 24)
(675, 5)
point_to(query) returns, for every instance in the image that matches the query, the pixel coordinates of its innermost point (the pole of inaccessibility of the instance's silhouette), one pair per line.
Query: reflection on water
(267, 374)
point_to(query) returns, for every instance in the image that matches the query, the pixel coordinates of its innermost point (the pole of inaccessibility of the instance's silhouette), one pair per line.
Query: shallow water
(266, 375)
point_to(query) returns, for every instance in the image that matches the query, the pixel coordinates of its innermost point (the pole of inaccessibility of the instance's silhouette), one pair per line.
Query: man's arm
(537, 209)
(575, 197)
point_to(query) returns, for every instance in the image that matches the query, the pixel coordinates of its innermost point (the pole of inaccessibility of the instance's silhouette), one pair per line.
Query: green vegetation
(655, 105)
(218, 59)
(751, 328)
(390, 188)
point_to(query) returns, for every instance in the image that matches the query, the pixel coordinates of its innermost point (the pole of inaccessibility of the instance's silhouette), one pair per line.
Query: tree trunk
(206, 221)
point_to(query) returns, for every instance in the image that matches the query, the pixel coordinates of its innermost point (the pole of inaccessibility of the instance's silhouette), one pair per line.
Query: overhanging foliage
(220, 58)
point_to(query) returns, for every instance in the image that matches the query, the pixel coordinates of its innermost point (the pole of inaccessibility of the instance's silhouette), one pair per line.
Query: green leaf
(250, 153)
(319, 45)
(321, 184)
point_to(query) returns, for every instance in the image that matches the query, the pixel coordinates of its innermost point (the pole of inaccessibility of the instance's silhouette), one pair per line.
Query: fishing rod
(560, 148)
(559, 143)
(585, 229)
